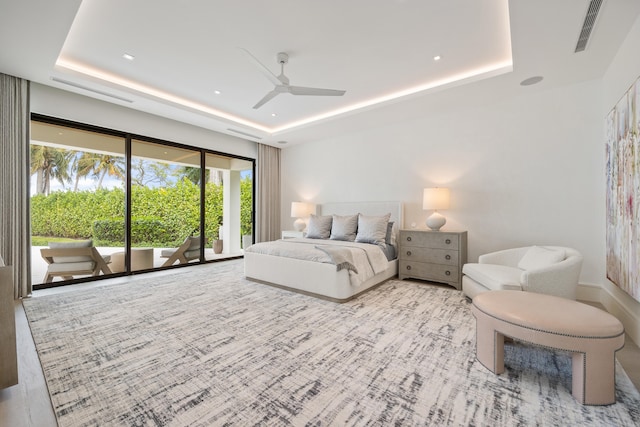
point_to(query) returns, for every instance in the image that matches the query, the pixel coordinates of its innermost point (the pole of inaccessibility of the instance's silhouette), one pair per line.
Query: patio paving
(39, 265)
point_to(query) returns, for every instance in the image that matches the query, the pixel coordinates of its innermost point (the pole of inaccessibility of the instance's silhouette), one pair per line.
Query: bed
(323, 279)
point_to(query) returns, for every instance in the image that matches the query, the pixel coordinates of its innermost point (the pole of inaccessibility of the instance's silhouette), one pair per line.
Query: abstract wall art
(623, 192)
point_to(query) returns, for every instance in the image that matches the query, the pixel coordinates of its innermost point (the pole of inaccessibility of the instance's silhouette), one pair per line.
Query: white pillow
(372, 229)
(319, 227)
(344, 227)
(539, 257)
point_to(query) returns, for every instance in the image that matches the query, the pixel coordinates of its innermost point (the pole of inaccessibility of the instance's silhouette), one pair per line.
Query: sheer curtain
(268, 194)
(15, 241)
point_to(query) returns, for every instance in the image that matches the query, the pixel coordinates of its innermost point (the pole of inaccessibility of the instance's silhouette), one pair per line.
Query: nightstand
(290, 234)
(436, 256)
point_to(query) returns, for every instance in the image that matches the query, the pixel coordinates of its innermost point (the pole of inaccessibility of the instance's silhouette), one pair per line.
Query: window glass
(77, 198)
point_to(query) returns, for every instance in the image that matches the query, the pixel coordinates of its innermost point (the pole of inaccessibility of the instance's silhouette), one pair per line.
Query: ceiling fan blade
(263, 69)
(268, 97)
(301, 90)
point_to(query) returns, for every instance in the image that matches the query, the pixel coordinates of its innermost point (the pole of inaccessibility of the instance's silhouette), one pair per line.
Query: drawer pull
(408, 238)
(447, 257)
(448, 241)
(408, 253)
(408, 267)
(448, 273)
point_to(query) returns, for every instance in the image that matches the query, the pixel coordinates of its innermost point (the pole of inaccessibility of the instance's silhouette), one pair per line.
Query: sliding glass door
(165, 203)
(228, 204)
(77, 199)
(139, 203)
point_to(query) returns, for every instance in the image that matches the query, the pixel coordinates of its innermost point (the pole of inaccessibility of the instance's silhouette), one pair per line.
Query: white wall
(621, 74)
(525, 170)
(66, 105)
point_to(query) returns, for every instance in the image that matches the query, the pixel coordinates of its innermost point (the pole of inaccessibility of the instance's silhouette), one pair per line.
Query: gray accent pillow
(389, 236)
(319, 227)
(372, 229)
(344, 227)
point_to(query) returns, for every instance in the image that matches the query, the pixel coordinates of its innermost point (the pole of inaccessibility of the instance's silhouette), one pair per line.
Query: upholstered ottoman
(591, 334)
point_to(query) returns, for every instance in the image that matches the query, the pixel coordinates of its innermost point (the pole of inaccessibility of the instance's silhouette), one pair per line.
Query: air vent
(99, 92)
(589, 23)
(244, 133)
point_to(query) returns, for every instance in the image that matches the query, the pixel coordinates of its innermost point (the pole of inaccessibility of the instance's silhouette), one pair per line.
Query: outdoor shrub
(147, 231)
(162, 216)
(150, 232)
(108, 231)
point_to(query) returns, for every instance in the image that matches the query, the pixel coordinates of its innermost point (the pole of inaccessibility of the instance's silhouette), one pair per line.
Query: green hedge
(165, 216)
(71, 214)
(144, 232)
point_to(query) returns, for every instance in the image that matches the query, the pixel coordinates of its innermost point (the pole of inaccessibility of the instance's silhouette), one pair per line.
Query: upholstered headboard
(365, 208)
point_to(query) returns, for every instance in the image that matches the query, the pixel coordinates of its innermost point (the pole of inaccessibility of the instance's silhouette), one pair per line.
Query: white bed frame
(321, 279)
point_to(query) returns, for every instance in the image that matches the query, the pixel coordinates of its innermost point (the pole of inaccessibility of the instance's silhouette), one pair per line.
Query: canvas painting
(623, 192)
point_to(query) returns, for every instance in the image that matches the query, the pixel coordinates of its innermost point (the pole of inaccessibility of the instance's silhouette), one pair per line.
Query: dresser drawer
(434, 256)
(428, 271)
(439, 240)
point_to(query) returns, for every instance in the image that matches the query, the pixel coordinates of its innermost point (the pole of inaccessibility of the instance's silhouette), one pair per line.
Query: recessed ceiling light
(437, 58)
(128, 57)
(273, 114)
(217, 92)
(531, 81)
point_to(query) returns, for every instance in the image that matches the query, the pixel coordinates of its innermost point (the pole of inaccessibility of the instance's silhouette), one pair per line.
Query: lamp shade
(435, 198)
(301, 209)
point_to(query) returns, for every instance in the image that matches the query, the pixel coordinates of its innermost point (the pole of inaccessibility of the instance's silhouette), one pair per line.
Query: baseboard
(615, 305)
(589, 292)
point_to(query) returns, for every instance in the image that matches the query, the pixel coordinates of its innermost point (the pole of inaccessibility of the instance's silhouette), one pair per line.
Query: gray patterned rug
(206, 347)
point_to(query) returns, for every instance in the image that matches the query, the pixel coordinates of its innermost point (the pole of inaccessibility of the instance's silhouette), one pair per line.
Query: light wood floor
(28, 405)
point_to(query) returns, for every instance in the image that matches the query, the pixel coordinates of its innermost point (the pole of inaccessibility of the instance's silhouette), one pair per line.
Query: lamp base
(436, 221)
(299, 224)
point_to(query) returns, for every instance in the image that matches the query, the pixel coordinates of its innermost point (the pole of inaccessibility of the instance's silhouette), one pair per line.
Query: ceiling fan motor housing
(283, 58)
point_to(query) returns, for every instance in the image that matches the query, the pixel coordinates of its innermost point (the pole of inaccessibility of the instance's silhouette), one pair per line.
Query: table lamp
(434, 199)
(301, 210)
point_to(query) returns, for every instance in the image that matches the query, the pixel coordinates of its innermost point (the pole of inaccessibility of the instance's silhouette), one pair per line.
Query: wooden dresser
(8, 357)
(436, 256)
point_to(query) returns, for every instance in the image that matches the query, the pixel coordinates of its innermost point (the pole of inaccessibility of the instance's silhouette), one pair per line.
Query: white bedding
(322, 279)
(366, 259)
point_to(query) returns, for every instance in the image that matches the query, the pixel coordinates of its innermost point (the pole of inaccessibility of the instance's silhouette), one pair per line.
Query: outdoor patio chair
(70, 259)
(188, 251)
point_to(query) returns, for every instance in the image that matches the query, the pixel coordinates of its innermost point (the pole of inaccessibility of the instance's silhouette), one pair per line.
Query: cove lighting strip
(470, 75)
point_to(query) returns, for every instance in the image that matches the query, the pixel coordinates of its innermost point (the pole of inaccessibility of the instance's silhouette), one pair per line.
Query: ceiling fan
(281, 82)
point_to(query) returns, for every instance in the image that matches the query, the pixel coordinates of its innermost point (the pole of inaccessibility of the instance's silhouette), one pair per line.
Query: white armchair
(552, 270)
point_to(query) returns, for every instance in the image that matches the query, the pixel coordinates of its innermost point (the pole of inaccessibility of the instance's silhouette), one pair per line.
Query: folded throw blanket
(341, 257)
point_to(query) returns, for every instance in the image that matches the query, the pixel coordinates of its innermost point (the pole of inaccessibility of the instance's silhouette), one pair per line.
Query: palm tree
(83, 165)
(108, 165)
(49, 163)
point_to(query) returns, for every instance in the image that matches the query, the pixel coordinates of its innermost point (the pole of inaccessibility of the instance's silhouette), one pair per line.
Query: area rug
(206, 347)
